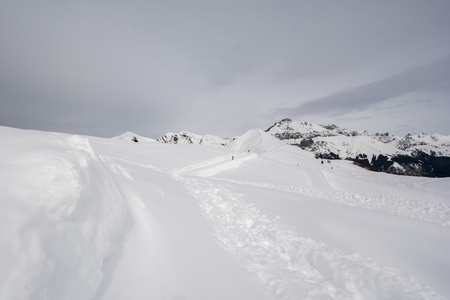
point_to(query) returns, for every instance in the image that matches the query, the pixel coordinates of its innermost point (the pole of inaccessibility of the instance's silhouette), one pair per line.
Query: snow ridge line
(281, 258)
(437, 213)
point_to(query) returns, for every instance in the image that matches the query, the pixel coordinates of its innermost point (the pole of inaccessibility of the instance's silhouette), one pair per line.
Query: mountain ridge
(418, 154)
(415, 154)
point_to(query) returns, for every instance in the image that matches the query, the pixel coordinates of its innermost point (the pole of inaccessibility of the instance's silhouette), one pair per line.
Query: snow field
(92, 218)
(289, 265)
(170, 251)
(432, 212)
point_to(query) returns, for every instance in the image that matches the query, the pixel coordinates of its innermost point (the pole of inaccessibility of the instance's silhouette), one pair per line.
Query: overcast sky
(103, 67)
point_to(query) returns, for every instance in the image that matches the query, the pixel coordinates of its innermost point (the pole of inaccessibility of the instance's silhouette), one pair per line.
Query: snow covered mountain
(133, 137)
(186, 137)
(415, 154)
(350, 143)
(95, 218)
(418, 154)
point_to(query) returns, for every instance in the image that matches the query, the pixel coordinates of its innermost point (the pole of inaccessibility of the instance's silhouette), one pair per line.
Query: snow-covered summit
(186, 137)
(256, 141)
(332, 140)
(431, 143)
(347, 142)
(415, 154)
(294, 130)
(133, 137)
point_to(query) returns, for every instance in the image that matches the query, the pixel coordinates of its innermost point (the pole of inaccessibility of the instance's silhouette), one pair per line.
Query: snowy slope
(287, 129)
(94, 218)
(132, 137)
(352, 146)
(331, 137)
(255, 141)
(61, 215)
(438, 143)
(415, 154)
(344, 143)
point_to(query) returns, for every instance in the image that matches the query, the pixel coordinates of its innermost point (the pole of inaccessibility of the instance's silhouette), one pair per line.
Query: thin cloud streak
(424, 78)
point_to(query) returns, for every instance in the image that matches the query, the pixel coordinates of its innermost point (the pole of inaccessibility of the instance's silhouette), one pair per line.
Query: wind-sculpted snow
(289, 265)
(63, 219)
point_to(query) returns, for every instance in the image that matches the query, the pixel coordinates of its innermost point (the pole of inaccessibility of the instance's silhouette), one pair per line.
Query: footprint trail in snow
(424, 210)
(289, 265)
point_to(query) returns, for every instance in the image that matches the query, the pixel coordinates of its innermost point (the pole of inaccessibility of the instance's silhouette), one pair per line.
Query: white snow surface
(94, 218)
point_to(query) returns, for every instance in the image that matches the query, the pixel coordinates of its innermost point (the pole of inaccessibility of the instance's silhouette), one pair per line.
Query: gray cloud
(219, 67)
(425, 78)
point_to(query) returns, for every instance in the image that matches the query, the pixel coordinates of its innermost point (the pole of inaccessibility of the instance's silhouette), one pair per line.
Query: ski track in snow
(292, 266)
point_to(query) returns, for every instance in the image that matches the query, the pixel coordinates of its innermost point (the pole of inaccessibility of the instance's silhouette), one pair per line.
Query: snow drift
(61, 216)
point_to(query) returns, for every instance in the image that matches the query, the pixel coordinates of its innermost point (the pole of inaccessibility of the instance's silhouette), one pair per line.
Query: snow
(256, 141)
(94, 218)
(350, 146)
(301, 127)
(213, 140)
(350, 143)
(186, 137)
(437, 143)
(130, 136)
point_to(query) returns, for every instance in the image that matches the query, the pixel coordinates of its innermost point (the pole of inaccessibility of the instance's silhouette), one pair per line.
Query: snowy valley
(203, 217)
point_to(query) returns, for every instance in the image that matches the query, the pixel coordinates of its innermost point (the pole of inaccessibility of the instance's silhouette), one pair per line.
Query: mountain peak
(131, 136)
(186, 137)
(415, 154)
(287, 129)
